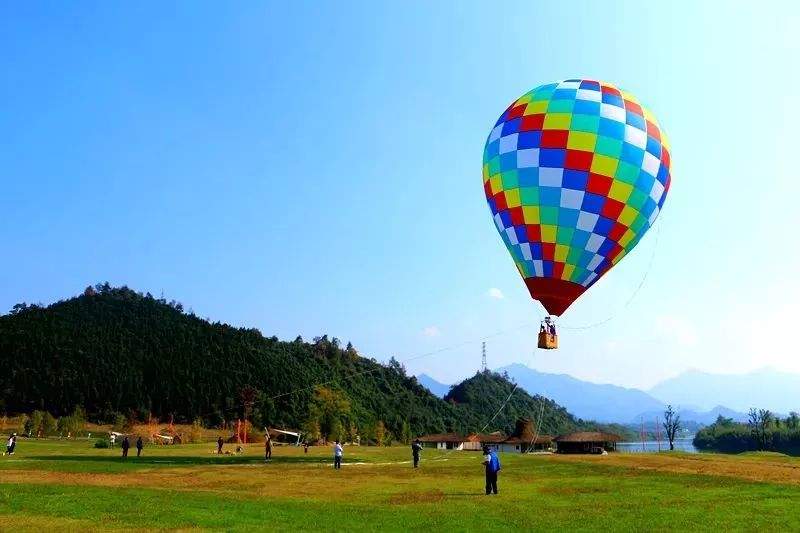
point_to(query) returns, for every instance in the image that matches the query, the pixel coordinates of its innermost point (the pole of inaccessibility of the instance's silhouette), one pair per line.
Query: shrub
(120, 422)
(196, 431)
(101, 443)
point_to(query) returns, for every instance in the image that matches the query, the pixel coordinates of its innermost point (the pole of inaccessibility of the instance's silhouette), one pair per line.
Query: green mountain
(487, 394)
(113, 350)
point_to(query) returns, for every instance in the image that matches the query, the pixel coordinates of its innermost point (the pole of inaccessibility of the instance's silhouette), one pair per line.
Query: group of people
(548, 327)
(126, 444)
(11, 444)
(490, 461)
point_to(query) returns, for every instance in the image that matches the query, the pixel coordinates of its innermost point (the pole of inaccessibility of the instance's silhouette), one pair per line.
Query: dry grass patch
(775, 470)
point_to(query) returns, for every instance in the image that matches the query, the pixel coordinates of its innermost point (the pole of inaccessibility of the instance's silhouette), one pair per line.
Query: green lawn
(70, 485)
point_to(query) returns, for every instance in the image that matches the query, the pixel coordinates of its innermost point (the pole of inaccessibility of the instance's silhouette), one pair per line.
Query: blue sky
(307, 168)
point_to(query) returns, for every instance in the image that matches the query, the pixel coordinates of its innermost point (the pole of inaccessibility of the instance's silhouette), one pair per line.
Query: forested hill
(113, 350)
(478, 398)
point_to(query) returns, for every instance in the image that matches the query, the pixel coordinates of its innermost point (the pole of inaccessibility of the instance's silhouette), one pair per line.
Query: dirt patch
(773, 470)
(410, 498)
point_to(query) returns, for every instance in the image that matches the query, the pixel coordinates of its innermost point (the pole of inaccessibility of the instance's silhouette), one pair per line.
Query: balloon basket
(548, 341)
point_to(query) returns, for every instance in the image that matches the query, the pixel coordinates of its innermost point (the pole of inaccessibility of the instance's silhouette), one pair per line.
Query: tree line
(763, 431)
(116, 352)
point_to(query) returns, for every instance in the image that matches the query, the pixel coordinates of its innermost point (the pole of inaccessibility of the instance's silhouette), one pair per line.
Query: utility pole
(483, 357)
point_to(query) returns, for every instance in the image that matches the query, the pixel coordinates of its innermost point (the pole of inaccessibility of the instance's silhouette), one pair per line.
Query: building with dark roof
(587, 442)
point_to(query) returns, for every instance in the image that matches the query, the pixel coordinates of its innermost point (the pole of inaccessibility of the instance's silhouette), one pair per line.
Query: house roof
(491, 438)
(540, 439)
(588, 436)
(442, 437)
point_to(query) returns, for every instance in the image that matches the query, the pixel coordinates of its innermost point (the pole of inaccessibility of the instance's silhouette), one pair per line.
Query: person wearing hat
(492, 464)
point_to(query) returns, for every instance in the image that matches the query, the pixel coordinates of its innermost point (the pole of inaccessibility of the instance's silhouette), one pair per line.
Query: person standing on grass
(305, 447)
(337, 455)
(10, 444)
(139, 446)
(125, 445)
(267, 447)
(416, 447)
(220, 442)
(492, 464)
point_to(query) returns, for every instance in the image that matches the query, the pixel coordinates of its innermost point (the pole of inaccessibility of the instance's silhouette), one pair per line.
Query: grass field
(70, 485)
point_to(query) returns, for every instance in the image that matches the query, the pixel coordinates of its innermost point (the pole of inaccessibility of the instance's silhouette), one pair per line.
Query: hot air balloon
(575, 173)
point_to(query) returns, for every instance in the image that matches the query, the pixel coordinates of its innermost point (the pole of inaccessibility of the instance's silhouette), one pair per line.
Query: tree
(49, 424)
(24, 425)
(328, 408)
(380, 433)
(672, 424)
(793, 421)
(120, 422)
(722, 421)
(36, 424)
(248, 396)
(405, 432)
(311, 430)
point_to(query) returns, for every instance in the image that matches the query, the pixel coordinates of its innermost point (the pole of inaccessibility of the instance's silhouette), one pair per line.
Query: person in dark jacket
(220, 442)
(416, 447)
(139, 446)
(492, 464)
(125, 445)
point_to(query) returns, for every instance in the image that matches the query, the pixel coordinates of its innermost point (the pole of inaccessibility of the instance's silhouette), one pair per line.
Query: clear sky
(307, 168)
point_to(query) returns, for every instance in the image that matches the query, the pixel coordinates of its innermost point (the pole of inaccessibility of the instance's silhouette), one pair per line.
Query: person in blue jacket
(492, 464)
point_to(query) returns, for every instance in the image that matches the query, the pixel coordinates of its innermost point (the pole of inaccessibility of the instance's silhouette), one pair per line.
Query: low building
(525, 445)
(525, 439)
(476, 441)
(587, 442)
(443, 441)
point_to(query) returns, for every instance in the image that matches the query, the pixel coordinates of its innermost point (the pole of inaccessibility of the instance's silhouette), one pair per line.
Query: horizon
(267, 169)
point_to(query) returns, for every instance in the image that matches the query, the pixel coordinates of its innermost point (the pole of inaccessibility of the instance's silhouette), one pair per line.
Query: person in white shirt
(337, 455)
(10, 444)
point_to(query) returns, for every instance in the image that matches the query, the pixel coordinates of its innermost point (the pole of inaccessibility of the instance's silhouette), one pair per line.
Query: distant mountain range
(703, 418)
(765, 388)
(437, 388)
(699, 397)
(604, 403)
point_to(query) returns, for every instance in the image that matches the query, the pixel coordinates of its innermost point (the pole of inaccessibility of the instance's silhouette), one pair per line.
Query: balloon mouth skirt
(556, 295)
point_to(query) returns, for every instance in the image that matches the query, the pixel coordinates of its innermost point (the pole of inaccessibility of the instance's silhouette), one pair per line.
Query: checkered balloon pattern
(575, 174)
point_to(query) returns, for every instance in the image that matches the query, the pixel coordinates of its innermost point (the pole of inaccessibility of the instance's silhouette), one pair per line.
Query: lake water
(683, 445)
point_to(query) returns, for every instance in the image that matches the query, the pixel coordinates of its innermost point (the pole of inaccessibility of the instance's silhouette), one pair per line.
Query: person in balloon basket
(337, 455)
(416, 447)
(492, 465)
(126, 444)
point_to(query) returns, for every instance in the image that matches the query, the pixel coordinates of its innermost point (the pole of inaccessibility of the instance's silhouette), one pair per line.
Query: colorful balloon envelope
(575, 174)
